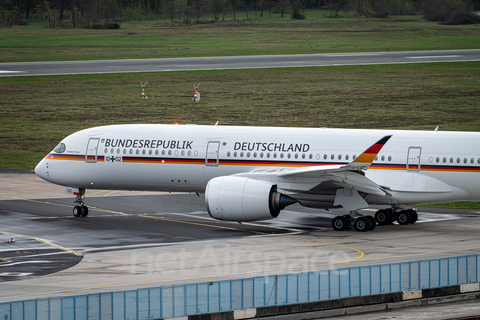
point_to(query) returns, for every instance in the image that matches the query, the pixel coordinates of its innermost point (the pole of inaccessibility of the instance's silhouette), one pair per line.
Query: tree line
(109, 13)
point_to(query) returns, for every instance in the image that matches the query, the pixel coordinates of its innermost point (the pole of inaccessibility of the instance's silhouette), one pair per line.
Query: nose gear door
(92, 147)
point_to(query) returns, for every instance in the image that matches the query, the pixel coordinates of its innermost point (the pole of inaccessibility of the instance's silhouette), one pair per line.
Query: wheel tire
(84, 211)
(373, 224)
(414, 215)
(381, 216)
(404, 217)
(339, 223)
(77, 211)
(361, 224)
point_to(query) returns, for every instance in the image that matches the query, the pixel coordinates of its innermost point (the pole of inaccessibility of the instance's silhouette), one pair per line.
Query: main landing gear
(81, 210)
(363, 223)
(402, 216)
(355, 220)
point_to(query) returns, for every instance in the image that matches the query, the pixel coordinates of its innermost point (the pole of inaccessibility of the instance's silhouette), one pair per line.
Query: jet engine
(243, 199)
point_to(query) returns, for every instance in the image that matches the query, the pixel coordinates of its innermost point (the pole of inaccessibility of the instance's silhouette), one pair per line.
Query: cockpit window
(60, 148)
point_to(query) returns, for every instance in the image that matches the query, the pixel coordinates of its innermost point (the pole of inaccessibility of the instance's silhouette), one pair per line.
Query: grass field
(270, 34)
(37, 112)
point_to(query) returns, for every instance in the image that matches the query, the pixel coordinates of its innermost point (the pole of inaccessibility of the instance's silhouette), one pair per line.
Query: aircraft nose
(42, 169)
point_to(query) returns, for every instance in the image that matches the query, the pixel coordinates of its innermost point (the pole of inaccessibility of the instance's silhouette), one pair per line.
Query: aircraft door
(413, 158)
(92, 147)
(211, 159)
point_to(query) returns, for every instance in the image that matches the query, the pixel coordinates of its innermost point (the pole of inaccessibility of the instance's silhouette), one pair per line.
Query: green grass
(37, 112)
(270, 34)
(453, 205)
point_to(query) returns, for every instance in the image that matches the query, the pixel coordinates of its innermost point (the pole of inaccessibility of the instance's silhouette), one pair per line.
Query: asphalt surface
(138, 239)
(235, 62)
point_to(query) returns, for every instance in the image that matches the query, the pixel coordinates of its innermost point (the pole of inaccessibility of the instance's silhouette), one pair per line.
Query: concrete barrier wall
(264, 295)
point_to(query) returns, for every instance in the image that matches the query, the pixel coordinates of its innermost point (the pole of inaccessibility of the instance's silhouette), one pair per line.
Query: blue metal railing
(238, 294)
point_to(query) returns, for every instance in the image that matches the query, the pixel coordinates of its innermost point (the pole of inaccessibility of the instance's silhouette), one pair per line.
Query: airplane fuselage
(413, 167)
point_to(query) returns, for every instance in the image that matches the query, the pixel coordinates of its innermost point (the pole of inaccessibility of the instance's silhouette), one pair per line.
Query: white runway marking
(15, 274)
(430, 57)
(9, 71)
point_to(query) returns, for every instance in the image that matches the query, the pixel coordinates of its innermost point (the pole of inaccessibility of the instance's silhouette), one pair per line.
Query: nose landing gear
(81, 210)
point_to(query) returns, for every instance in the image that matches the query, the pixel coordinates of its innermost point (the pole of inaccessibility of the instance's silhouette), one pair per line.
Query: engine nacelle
(244, 199)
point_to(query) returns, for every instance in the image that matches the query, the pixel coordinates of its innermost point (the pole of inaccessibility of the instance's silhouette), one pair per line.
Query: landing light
(176, 123)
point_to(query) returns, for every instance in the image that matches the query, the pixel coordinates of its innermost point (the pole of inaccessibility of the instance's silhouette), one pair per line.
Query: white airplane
(252, 173)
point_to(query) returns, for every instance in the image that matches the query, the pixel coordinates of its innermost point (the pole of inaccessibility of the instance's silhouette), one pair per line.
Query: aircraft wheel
(382, 217)
(361, 224)
(373, 222)
(77, 211)
(404, 217)
(339, 223)
(84, 211)
(414, 215)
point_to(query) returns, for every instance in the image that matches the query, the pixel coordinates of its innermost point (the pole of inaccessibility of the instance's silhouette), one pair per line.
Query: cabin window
(60, 148)
(106, 150)
(241, 154)
(438, 159)
(235, 154)
(281, 155)
(332, 156)
(383, 158)
(254, 154)
(169, 152)
(268, 154)
(131, 151)
(261, 154)
(289, 156)
(451, 160)
(183, 152)
(310, 156)
(458, 160)
(228, 154)
(163, 152)
(138, 151)
(275, 155)
(189, 153)
(347, 157)
(465, 160)
(248, 154)
(472, 160)
(296, 155)
(444, 159)
(339, 157)
(124, 151)
(156, 152)
(303, 156)
(376, 158)
(118, 151)
(325, 156)
(389, 158)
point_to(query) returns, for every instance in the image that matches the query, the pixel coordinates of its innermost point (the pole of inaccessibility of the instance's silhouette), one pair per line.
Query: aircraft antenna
(436, 129)
(216, 123)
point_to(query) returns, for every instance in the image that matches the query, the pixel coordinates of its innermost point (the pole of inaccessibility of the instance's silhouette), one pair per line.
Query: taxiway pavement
(144, 239)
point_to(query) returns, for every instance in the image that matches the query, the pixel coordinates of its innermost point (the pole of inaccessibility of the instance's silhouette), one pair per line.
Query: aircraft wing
(349, 175)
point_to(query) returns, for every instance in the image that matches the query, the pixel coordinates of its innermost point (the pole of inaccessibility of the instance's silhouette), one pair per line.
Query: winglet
(366, 158)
